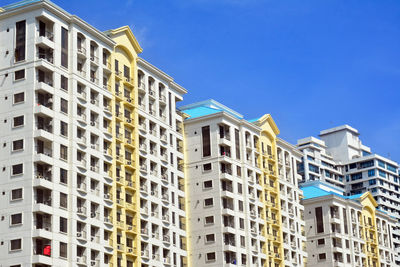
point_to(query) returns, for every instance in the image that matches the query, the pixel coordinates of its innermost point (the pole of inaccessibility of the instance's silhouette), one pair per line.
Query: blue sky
(311, 64)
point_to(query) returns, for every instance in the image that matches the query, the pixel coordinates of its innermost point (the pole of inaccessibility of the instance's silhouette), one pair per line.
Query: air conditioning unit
(93, 214)
(93, 101)
(128, 120)
(79, 234)
(130, 250)
(92, 168)
(106, 196)
(92, 263)
(93, 146)
(93, 123)
(129, 100)
(129, 162)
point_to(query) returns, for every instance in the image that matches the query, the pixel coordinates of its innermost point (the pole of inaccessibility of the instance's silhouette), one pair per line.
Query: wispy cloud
(128, 3)
(141, 34)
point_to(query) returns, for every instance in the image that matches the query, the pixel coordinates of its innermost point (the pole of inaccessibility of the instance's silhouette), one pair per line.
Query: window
(63, 176)
(63, 201)
(242, 241)
(209, 220)
(319, 218)
(15, 244)
(240, 205)
(64, 83)
(18, 145)
(20, 40)
(210, 256)
(63, 250)
(205, 132)
(208, 202)
(207, 167)
(241, 223)
(208, 184)
(63, 152)
(240, 188)
(237, 144)
(63, 225)
(16, 219)
(116, 67)
(64, 106)
(19, 98)
(126, 72)
(18, 121)
(322, 257)
(64, 128)
(371, 173)
(17, 169)
(210, 238)
(16, 194)
(321, 242)
(19, 74)
(64, 47)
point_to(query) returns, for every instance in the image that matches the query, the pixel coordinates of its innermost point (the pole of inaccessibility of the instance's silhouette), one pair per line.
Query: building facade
(340, 159)
(292, 211)
(346, 230)
(234, 199)
(93, 146)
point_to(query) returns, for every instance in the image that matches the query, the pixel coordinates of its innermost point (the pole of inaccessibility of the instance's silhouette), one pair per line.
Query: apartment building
(160, 168)
(292, 211)
(340, 159)
(318, 165)
(346, 230)
(92, 146)
(233, 190)
(55, 127)
(123, 146)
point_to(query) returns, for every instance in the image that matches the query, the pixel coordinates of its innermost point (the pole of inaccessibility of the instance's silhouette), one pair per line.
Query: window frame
(21, 125)
(11, 220)
(20, 102)
(16, 199)
(17, 174)
(207, 199)
(17, 249)
(20, 149)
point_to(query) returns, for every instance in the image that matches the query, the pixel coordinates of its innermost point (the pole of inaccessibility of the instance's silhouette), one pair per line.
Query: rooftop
(207, 107)
(338, 129)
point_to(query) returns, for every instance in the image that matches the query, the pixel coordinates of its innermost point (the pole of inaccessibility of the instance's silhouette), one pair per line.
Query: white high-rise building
(54, 128)
(346, 230)
(162, 194)
(225, 219)
(292, 211)
(340, 158)
(243, 202)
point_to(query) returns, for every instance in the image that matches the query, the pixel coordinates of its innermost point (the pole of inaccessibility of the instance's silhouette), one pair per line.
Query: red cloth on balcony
(47, 250)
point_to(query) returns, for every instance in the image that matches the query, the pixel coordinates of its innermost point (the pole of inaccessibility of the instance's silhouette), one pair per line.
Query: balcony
(81, 210)
(45, 38)
(46, 55)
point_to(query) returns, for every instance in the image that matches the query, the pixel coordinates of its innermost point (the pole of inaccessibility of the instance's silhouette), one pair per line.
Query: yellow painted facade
(267, 161)
(123, 84)
(369, 230)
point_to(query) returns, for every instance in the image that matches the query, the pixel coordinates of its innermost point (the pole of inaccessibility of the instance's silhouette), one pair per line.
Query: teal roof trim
(313, 192)
(200, 112)
(20, 4)
(253, 120)
(207, 107)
